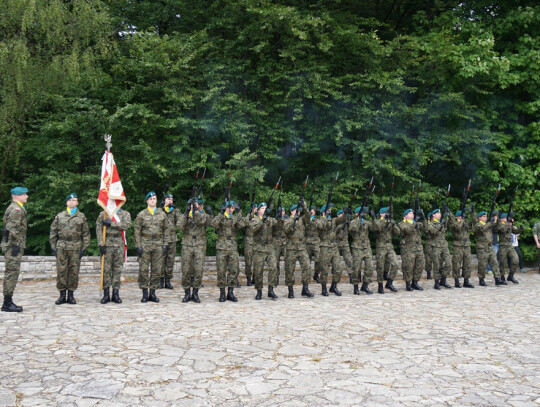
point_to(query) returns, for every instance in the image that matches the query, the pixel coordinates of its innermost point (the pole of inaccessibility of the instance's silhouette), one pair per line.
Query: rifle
(270, 202)
(381, 200)
(165, 190)
(312, 193)
(417, 201)
(228, 188)
(252, 198)
(464, 201)
(330, 193)
(279, 209)
(300, 201)
(199, 190)
(493, 202)
(349, 210)
(193, 191)
(391, 202)
(366, 193)
(445, 205)
(512, 204)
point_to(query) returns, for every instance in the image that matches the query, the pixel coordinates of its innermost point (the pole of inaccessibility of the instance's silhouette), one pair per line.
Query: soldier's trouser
(279, 250)
(248, 259)
(259, 258)
(486, 255)
(291, 256)
(313, 251)
(192, 266)
(68, 263)
(112, 270)
(150, 266)
(427, 259)
(168, 261)
(461, 259)
(11, 275)
(329, 257)
(227, 268)
(345, 252)
(386, 261)
(362, 256)
(442, 262)
(412, 264)
(507, 254)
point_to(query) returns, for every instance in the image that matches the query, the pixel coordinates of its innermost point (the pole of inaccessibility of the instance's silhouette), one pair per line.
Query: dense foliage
(437, 90)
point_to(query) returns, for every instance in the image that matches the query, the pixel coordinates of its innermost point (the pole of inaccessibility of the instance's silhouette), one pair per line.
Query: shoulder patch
(17, 209)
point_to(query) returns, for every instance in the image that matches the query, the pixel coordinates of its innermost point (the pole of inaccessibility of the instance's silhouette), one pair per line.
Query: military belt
(150, 236)
(66, 239)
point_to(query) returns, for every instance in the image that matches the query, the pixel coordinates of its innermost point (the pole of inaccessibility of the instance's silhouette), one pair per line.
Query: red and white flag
(111, 193)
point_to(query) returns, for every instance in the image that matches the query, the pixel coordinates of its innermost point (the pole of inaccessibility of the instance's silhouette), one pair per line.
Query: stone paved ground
(476, 347)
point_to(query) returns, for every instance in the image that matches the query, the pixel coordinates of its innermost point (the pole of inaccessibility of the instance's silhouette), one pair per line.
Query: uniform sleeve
(167, 229)
(216, 222)
(85, 234)
(181, 222)
(14, 226)
(53, 235)
(137, 231)
(288, 226)
(125, 221)
(99, 229)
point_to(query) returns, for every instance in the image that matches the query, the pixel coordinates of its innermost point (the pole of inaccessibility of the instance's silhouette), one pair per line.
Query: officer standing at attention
(173, 214)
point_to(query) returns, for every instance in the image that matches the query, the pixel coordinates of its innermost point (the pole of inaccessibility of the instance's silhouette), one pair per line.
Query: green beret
(504, 215)
(168, 196)
(480, 214)
(228, 203)
(199, 201)
(149, 195)
(358, 209)
(19, 191)
(407, 211)
(495, 213)
(340, 212)
(261, 205)
(295, 206)
(458, 213)
(429, 214)
(434, 211)
(72, 195)
(311, 207)
(323, 209)
(383, 210)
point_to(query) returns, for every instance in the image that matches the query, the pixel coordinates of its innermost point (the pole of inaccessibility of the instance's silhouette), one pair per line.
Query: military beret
(168, 196)
(480, 214)
(230, 203)
(72, 195)
(358, 209)
(149, 195)
(504, 215)
(495, 213)
(295, 206)
(407, 211)
(340, 212)
(200, 201)
(429, 214)
(458, 213)
(311, 207)
(383, 210)
(19, 191)
(434, 211)
(323, 209)
(261, 205)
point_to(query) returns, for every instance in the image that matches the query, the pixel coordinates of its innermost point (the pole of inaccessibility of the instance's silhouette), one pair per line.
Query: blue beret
(480, 214)
(261, 205)
(323, 209)
(429, 214)
(295, 206)
(407, 211)
(340, 212)
(72, 195)
(149, 195)
(503, 215)
(19, 191)
(199, 201)
(458, 213)
(358, 209)
(383, 210)
(434, 211)
(228, 203)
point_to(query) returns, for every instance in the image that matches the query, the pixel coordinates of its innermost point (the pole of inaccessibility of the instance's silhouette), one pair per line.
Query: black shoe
(334, 289)
(187, 296)
(306, 292)
(10, 306)
(144, 295)
(429, 275)
(259, 295)
(512, 279)
(291, 292)
(390, 286)
(482, 282)
(222, 297)
(365, 288)
(161, 282)
(62, 298)
(408, 286)
(385, 276)
(443, 283)
(497, 281)
(106, 296)
(70, 298)
(152, 296)
(415, 286)
(324, 291)
(168, 284)
(195, 296)
(116, 296)
(380, 290)
(316, 278)
(503, 280)
(456, 283)
(238, 283)
(230, 295)
(271, 293)
(350, 278)
(467, 284)
(356, 291)
(437, 286)
(249, 281)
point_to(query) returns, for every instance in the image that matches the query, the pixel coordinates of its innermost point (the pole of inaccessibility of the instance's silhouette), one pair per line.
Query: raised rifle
(279, 209)
(465, 195)
(512, 205)
(494, 202)
(330, 193)
(300, 202)
(391, 203)
(270, 203)
(382, 197)
(349, 210)
(199, 190)
(312, 193)
(252, 198)
(417, 201)
(193, 192)
(228, 188)
(445, 204)
(366, 195)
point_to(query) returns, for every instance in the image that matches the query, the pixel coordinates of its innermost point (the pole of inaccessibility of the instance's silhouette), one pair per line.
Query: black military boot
(443, 283)
(467, 284)
(437, 286)
(356, 291)
(222, 297)
(408, 286)
(152, 296)
(168, 284)
(62, 298)
(259, 295)
(385, 275)
(334, 289)
(389, 284)
(512, 279)
(498, 281)
(249, 281)
(503, 280)
(316, 277)
(195, 296)
(106, 296)
(144, 295)
(350, 278)
(291, 292)
(116, 296)
(230, 295)
(365, 288)
(380, 290)
(416, 286)
(161, 282)
(10, 306)
(482, 282)
(187, 296)
(70, 298)
(456, 283)
(271, 293)
(324, 291)
(306, 292)
(429, 275)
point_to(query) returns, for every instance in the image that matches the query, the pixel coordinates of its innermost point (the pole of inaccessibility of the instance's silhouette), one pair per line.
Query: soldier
(536, 232)
(279, 237)
(173, 214)
(193, 225)
(263, 251)
(329, 253)
(69, 239)
(385, 229)
(150, 235)
(361, 248)
(295, 229)
(440, 255)
(248, 246)
(412, 253)
(427, 253)
(113, 250)
(461, 258)
(313, 243)
(483, 232)
(343, 245)
(508, 258)
(13, 244)
(227, 226)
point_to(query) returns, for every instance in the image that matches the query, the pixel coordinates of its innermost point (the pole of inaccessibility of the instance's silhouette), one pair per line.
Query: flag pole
(107, 139)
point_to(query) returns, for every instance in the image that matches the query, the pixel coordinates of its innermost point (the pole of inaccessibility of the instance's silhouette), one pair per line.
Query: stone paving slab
(453, 347)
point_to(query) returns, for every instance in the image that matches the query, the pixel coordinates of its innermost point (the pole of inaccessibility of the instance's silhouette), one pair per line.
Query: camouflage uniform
(428, 259)
(114, 243)
(313, 243)
(342, 236)
(483, 233)
(440, 254)
(461, 259)
(296, 248)
(361, 248)
(151, 232)
(412, 253)
(15, 222)
(329, 252)
(69, 235)
(263, 251)
(168, 259)
(248, 249)
(506, 249)
(385, 253)
(280, 242)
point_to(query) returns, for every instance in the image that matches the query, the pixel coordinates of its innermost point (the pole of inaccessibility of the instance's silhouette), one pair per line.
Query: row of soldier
(301, 237)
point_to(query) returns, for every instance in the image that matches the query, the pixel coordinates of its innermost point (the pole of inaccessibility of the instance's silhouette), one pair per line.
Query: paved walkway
(476, 347)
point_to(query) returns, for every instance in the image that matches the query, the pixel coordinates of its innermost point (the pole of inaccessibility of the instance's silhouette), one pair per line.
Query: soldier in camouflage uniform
(227, 225)
(13, 244)
(361, 248)
(248, 247)
(150, 234)
(113, 250)
(313, 243)
(193, 225)
(280, 239)
(412, 253)
(173, 215)
(385, 229)
(507, 254)
(483, 232)
(263, 250)
(342, 235)
(427, 253)
(295, 229)
(536, 233)
(461, 259)
(69, 239)
(440, 255)
(329, 253)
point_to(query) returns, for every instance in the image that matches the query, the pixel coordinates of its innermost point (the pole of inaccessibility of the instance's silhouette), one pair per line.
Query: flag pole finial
(107, 138)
